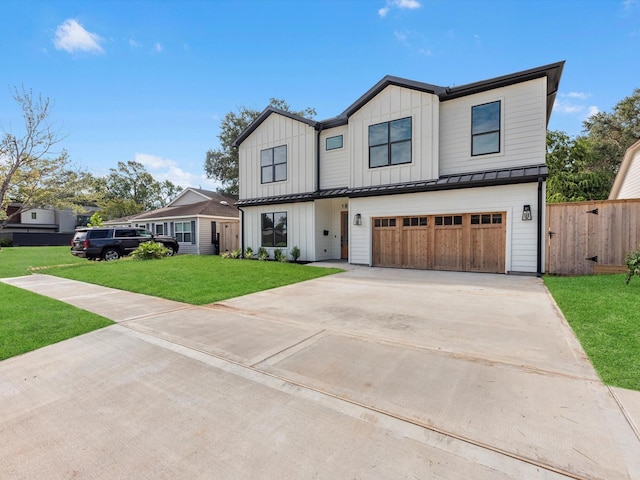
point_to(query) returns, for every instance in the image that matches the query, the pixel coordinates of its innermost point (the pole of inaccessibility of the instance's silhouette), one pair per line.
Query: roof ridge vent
(224, 202)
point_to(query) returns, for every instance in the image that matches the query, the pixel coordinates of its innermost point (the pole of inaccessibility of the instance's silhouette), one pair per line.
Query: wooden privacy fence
(591, 237)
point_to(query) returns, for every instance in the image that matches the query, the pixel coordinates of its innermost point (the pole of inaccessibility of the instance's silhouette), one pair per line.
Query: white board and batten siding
(300, 224)
(394, 103)
(523, 129)
(275, 131)
(521, 236)
(327, 218)
(334, 164)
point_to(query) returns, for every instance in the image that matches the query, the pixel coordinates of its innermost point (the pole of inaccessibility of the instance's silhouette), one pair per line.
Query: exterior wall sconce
(526, 213)
(357, 219)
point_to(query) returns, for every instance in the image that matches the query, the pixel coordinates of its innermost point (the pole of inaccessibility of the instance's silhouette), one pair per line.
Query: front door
(344, 235)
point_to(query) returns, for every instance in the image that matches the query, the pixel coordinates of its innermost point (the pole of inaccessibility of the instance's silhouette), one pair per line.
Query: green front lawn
(29, 321)
(192, 279)
(605, 315)
(18, 261)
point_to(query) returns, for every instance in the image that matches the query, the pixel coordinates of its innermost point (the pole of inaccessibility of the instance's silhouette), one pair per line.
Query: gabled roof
(552, 72)
(632, 153)
(210, 208)
(205, 194)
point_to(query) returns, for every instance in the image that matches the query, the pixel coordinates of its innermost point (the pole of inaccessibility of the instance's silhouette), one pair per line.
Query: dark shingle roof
(211, 208)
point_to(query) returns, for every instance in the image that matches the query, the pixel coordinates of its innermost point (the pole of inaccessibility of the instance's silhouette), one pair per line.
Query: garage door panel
(487, 250)
(415, 248)
(448, 249)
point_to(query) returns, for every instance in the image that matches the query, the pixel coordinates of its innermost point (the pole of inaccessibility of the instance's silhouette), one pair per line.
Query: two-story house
(410, 175)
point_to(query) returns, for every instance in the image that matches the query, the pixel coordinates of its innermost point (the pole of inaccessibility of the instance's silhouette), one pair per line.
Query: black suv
(111, 243)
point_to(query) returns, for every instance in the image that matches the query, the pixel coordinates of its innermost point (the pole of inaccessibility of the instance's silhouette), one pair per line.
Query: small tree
(95, 220)
(632, 261)
(295, 253)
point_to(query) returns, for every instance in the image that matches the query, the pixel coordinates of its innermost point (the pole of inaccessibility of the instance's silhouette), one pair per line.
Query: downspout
(241, 230)
(319, 130)
(540, 206)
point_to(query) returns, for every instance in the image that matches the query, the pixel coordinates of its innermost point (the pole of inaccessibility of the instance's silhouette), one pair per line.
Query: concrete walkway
(373, 373)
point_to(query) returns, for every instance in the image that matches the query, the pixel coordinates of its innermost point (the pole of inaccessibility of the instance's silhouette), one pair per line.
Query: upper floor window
(333, 143)
(485, 128)
(34, 215)
(390, 143)
(273, 164)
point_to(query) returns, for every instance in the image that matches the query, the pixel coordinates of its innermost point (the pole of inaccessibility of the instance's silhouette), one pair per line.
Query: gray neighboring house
(204, 222)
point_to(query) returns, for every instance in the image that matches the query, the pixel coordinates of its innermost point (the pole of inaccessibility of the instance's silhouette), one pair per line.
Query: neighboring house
(43, 226)
(627, 182)
(410, 175)
(203, 222)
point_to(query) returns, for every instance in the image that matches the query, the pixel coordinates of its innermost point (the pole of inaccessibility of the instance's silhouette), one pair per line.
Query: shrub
(295, 253)
(226, 254)
(632, 261)
(235, 253)
(279, 255)
(5, 242)
(248, 252)
(263, 254)
(150, 251)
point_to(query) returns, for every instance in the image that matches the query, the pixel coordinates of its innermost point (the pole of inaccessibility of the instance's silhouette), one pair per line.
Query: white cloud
(134, 43)
(579, 95)
(157, 47)
(592, 110)
(166, 169)
(400, 4)
(71, 37)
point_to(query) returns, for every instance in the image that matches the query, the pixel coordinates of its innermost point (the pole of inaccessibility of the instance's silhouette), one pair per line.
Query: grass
(19, 261)
(197, 280)
(605, 316)
(29, 321)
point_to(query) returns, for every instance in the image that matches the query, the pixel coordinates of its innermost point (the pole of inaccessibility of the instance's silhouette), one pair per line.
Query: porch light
(357, 219)
(526, 213)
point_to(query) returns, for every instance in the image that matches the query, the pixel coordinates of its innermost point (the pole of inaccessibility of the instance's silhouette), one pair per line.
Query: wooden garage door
(464, 242)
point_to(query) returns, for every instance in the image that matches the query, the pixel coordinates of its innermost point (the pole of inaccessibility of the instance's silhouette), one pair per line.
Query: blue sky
(150, 80)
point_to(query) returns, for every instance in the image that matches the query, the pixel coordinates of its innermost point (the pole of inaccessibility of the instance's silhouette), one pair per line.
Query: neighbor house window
(273, 164)
(274, 229)
(159, 229)
(34, 215)
(334, 142)
(183, 232)
(390, 143)
(485, 128)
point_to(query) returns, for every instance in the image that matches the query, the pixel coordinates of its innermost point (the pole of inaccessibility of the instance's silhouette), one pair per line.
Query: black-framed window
(485, 128)
(333, 143)
(273, 164)
(390, 143)
(274, 229)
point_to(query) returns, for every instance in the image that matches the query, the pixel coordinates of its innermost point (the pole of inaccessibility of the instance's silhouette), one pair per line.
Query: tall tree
(32, 172)
(222, 164)
(585, 167)
(130, 189)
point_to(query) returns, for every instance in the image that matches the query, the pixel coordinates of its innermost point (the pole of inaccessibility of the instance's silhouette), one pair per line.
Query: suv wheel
(172, 251)
(110, 254)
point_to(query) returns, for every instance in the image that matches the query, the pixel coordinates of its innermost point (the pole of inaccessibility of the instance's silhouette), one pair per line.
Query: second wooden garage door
(467, 242)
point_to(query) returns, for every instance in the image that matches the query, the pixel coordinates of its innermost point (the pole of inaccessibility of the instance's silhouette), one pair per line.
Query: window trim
(274, 215)
(273, 164)
(326, 143)
(180, 234)
(488, 132)
(390, 143)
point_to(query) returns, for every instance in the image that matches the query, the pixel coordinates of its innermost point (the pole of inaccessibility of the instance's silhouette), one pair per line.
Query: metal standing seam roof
(507, 176)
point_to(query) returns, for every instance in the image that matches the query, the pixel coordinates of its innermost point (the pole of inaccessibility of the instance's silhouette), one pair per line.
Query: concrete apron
(371, 373)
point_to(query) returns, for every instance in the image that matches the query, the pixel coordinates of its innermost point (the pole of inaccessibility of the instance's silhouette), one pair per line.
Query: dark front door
(344, 235)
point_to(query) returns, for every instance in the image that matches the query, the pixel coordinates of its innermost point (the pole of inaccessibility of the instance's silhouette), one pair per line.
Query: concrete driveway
(372, 373)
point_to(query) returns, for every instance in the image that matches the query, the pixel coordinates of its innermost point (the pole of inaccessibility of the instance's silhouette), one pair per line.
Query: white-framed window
(34, 215)
(159, 228)
(183, 232)
(390, 143)
(333, 143)
(485, 128)
(273, 164)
